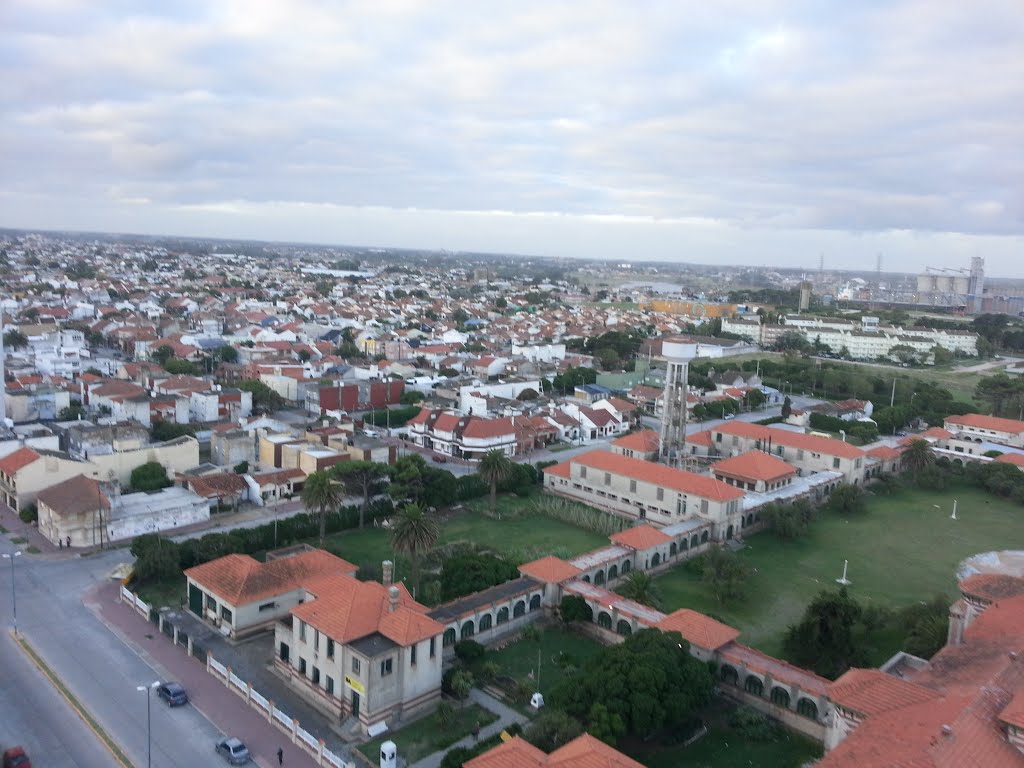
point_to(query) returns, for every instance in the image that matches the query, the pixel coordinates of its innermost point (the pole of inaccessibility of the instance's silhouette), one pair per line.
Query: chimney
(387, 573)
(392, 599)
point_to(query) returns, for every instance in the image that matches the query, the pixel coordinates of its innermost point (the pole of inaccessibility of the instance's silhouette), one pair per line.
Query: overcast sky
(732, 131)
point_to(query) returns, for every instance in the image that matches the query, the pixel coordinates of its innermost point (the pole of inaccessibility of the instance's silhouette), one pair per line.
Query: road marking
(105, 739)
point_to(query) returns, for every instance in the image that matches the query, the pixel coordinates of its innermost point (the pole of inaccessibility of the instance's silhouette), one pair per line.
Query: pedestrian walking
(476, 731)
(280, 756)
(60, 543)
(69, 542)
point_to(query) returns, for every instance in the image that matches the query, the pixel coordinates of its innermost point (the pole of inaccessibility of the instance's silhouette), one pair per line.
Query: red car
(15, 757)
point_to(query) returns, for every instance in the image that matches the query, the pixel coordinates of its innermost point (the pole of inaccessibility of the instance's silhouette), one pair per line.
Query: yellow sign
(506, 736)
(355, 685)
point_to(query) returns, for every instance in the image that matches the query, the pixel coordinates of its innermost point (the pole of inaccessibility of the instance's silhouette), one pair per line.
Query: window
(330, 648)
(302, 666)
(583, 471)
(225, 614)
(432, 647)
(316, 639)
(211, 603)
(385, 668)
(412, 655)
(316, 676)
(330, 685)
(632, 486)
(607, 478)
(355, 666)
(661, 494)
(302, 631)
(718, 437)
(835, 463)
(268, 606)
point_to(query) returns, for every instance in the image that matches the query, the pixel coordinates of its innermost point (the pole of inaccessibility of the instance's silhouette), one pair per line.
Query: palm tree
(495, 467)
(321, 494)
(412, 534)
(639, 586)
(917, 455)
(360, 477)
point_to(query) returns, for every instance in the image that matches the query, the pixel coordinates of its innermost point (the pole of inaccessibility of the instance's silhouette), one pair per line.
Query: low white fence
(135, 602)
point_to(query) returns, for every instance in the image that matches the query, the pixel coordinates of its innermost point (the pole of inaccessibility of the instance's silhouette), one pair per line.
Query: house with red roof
(754, 471)
(646, 491)
(582, 752)
(644, 444)
(986, 429)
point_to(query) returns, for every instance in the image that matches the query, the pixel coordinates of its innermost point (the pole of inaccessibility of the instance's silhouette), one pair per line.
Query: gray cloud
(733, 130)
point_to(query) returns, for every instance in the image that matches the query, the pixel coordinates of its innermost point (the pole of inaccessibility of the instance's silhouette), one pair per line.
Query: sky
(755, 132)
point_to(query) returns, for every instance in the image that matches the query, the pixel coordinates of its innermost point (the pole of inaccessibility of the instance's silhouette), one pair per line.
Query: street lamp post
(14, 595)
(149, 723)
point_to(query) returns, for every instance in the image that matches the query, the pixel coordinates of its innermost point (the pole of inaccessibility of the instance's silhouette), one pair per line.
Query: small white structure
(388, 755)
(537, 700)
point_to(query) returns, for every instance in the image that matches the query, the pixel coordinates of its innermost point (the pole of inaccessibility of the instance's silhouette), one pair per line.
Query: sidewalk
(506, 716)
(207, 694)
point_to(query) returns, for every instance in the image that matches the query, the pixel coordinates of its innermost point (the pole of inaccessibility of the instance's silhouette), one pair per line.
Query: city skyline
(748, 133)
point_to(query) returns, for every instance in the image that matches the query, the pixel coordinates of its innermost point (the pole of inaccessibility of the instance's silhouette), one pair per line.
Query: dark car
(15, 757)
(233, 750)
(173, 694)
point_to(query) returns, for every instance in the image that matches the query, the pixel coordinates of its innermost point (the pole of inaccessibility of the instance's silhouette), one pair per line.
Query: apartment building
(646, 491)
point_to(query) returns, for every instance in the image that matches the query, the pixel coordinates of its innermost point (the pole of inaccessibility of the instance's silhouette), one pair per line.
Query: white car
(729, 416)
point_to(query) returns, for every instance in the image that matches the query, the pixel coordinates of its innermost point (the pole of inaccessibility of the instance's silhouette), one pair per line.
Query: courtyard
(904, 548)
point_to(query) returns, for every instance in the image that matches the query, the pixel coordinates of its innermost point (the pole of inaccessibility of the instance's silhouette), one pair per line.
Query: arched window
(750, 519)
(685, 544)
(449, 638)
(613, 572)
(535, 602)
(807, 708)
(728, 532)
(502, 615)
(519, 610)
(656, 560)
(753, 685)
(485, 622)
(587, 578)
(780, 697)
(604, 620)
(704, 537)
(468, 629)
(728, 674)
(623, 628)
(673, 550)
(599, 577)
(694, 542)
(627, 567)
(743, 522)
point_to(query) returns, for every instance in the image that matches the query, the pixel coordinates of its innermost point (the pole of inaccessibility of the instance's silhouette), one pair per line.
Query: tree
(640, 587)
(917, 456)
(650, 682)
(824, 639)
(162, 354)
(575, 608)
(461, 684)
(789, 521)
(605, 725)
(321, 495)
(927, 626)
(495, 466)
(156, 558)
(15, 339)
(725, 574)
(410, 397)
(413, 534)
(263, 397)
(151, 476)
(228, 354)
(72, 413)
(847, 500)
(469, 572)
(787, 407)
(362, 478)
(551, 729)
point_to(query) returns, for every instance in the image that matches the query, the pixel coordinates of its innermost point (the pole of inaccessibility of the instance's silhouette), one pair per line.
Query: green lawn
(558, 650)
(530, 536)
(722, 748)
(900, 551)
(428, 735)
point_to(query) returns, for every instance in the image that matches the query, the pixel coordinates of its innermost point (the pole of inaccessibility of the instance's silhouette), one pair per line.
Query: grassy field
(527, 536)
(559, 652)
(169, 593)
(428, 735)
(901, 550)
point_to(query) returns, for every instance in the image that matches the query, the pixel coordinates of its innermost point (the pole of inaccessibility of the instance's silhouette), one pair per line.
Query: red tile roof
(12, 462)
(754, 465)
(487, 428)
(641, 537)
(582, 752)
(659, 475)
(214, 486)
(559, 470)
(871, 692)
(1016, 459)
(74, 496)
(992, 586)
(994, 423)
(885, 452)
(824, 445)
(698, 629)
(550, 569)
(644, 441)
(240, 580)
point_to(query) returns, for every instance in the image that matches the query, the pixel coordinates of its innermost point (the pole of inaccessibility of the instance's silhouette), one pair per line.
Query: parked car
(728, 416)
(15, 757)
(440, 459)
(173, 693)
(233, 750)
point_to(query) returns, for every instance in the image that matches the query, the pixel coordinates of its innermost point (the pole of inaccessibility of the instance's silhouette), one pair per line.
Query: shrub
(29, 513)
(751, 725)
(575, 608)
(530, 632)
(445, 713)
(580, 515)
(469, 651)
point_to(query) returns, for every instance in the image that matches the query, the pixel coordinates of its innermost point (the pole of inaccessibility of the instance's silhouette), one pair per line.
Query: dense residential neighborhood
(345, 489)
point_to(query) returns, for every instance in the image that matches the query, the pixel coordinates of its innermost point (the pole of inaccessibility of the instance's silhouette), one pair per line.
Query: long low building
(643, 490)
